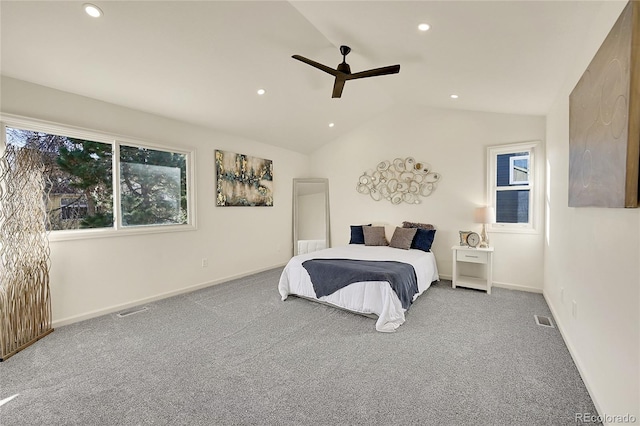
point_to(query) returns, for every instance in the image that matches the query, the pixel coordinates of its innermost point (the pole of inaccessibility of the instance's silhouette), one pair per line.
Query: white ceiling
(202, 62)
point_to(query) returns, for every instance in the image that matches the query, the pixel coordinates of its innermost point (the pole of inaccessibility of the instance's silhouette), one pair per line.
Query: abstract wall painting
(604, 121)
(242, 180)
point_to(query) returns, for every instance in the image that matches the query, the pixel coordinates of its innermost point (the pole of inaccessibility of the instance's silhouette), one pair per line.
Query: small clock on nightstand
(473, 239)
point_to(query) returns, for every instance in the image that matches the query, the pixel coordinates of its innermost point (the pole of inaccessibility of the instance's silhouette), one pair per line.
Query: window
(80, 168)
(511, 186)
(519, 169)
(78, 178)
(74, 208)
(153, 187)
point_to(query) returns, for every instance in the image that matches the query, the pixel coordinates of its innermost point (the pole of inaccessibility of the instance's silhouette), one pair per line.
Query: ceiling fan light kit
(343, 71)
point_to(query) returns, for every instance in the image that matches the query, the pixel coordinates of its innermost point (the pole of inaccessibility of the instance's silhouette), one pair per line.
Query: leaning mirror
(310, 215)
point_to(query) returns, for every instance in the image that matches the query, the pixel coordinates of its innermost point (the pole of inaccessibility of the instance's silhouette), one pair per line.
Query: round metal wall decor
(403, 180)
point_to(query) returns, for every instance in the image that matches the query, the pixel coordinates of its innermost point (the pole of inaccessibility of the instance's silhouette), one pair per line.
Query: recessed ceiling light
(424, 27)
(454, 96)
(261, 91)
(92, 10)
(331, 124)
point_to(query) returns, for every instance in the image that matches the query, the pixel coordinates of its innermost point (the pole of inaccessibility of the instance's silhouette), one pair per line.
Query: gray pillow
(374, 236)
(417, 225)
(403, 237)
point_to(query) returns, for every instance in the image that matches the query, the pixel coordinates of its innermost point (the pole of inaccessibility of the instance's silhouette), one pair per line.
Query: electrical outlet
(205, 262)
(574, 309)
(562, 294)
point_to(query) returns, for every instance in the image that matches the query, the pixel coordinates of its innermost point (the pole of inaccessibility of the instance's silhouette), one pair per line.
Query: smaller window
(519, 170)
(73, 208)
(511, 189)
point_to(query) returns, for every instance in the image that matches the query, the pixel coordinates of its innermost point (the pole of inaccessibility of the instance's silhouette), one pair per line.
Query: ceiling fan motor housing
(344, 67)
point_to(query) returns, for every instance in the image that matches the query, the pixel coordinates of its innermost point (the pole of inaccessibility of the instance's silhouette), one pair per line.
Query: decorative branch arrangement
(25, 303)
(402, 180)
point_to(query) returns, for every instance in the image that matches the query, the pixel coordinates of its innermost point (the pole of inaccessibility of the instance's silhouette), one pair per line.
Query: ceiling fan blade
(316, 65)
(393, 69)
(338, 85)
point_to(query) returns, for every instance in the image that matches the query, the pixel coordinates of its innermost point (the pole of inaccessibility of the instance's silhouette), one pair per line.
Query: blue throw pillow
(357, 234)
(423, 239)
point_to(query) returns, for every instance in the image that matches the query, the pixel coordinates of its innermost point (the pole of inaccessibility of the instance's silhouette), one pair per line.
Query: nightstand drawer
(472, 256)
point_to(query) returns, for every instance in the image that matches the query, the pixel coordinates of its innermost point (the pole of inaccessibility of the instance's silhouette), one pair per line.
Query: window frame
(533, 226)
(14, 121)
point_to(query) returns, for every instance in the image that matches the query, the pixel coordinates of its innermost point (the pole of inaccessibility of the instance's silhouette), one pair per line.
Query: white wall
(594, 255)
(454, 143)
(91, 276)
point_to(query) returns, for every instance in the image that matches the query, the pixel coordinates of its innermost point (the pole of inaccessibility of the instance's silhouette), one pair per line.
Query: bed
(375, 298)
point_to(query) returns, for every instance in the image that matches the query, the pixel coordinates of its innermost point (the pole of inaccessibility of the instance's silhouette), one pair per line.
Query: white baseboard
(505, 285)
(574, 354)
(518, 287)
(120, 307)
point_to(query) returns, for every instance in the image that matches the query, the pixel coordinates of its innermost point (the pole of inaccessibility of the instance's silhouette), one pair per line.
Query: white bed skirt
(371, 297)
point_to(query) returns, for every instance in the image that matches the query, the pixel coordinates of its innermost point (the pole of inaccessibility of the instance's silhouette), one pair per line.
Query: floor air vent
(543, 321)
(132, 311)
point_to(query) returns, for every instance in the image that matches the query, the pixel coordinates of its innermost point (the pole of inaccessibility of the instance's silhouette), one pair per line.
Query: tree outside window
(152, 187)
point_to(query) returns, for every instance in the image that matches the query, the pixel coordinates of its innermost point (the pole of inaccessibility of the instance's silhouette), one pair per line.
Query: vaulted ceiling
(203, 61)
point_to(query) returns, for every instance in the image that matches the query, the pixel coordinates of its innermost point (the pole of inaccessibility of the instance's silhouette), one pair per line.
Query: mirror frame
(296, 182)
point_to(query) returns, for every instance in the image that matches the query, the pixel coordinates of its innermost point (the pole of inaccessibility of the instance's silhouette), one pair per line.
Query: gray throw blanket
(330, 275)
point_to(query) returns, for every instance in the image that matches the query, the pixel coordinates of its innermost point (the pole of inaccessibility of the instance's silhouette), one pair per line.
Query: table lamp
(484, 215)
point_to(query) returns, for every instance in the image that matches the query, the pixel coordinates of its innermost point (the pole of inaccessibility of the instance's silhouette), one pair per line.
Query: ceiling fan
(343, 72)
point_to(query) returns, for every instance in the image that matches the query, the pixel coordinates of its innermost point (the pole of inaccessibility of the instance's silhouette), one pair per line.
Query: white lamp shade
(485, 215)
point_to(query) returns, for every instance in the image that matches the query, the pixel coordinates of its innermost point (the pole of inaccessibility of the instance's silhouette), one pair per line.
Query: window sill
(513, 229)
(84, 234)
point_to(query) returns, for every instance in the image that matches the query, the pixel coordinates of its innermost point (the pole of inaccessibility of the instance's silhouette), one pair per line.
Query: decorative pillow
(357, 236)
(403, 237)
(417, 225)
(374, 236)
(423, 239)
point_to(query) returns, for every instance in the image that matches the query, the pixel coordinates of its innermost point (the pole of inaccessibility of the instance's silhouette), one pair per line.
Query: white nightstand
(473, 255)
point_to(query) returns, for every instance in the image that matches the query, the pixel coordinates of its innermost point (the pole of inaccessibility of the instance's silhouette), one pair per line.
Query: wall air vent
(135, 310)
(543, 321)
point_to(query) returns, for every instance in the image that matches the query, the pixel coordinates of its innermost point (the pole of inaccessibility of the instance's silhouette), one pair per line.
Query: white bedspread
(372, 297)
